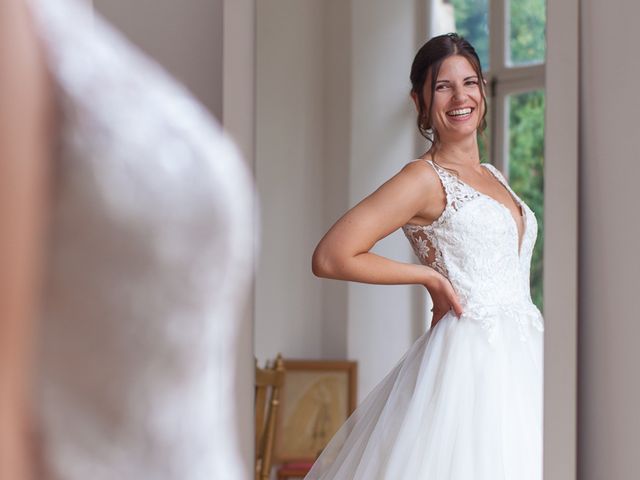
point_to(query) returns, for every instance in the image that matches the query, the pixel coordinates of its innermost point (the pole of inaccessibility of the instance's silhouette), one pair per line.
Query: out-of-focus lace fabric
(474, 243)
(149, 264)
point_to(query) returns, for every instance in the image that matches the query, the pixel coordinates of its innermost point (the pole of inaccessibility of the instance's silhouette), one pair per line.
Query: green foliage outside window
(472, 23)
(526, 162)
(527, 31)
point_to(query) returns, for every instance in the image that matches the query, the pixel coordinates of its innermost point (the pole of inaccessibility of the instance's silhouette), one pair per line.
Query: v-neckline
(518, 202)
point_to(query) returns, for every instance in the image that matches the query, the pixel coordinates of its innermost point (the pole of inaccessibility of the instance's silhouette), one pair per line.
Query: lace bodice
(148, 267)
(474, 243)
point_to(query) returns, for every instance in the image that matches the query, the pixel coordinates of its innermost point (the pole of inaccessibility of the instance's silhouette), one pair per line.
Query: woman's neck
(465, 154)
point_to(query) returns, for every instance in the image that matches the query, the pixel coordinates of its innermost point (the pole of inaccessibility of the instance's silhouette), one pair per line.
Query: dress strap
(457, 192)
(498, 174)
(443, 179)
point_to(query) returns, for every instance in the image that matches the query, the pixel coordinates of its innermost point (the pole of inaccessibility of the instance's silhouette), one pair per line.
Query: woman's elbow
(322, 263)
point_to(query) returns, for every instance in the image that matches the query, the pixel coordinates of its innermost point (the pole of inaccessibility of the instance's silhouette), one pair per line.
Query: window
(509, 37)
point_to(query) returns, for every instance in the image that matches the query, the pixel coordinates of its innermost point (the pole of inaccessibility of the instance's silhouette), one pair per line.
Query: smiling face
(457, 105)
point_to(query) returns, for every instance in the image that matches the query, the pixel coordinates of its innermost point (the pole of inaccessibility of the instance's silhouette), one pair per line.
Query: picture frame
(317, 398)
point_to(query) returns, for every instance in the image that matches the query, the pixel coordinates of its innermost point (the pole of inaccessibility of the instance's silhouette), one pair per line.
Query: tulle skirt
(456, 407)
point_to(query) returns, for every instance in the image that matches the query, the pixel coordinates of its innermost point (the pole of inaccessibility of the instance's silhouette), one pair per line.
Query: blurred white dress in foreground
(148, 268)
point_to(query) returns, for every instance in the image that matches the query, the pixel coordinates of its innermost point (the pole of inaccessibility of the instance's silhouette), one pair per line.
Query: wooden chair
(291, 470)
(269, 381)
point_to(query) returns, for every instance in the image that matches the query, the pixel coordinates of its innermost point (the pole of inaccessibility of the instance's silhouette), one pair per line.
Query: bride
(465, 402)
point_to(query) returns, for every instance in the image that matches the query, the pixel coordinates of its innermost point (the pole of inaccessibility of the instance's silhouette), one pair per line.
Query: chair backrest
(269, 381)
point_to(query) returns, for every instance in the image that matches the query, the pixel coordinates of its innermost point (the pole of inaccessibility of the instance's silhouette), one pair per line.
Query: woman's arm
(24, 131)
(343, 253)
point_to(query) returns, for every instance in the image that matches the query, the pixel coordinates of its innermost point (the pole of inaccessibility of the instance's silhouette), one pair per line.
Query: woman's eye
(472, 82)
(441, 87)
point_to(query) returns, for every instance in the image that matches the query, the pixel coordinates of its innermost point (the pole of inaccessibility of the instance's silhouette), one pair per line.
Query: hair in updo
(429, 60)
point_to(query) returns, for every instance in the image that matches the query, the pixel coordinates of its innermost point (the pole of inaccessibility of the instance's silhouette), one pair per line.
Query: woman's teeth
(459, 112)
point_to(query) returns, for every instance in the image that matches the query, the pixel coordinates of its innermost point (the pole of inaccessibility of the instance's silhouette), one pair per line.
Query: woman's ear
(414, 97)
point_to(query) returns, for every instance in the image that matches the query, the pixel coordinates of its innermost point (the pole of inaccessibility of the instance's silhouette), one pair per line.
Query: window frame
(505, 80)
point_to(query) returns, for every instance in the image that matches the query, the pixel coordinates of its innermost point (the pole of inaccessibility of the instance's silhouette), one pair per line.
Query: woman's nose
(458, 94)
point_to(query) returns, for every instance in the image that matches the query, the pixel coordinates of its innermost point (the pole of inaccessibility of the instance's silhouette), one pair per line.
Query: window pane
(526, 161)
(471, 22)
(527, 26)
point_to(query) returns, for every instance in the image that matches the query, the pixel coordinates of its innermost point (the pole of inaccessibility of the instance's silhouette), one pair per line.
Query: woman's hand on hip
(443, 296)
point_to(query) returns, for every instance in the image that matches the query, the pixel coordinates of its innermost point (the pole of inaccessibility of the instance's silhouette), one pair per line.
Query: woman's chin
(459, 134)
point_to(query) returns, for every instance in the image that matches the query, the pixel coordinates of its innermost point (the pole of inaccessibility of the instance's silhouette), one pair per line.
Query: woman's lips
(456, 115)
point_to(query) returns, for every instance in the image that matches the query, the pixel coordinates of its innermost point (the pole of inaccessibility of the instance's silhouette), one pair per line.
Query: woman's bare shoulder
(419, 171)
(420, 181)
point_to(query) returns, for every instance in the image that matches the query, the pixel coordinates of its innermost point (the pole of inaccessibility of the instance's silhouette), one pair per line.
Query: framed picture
(317, 397)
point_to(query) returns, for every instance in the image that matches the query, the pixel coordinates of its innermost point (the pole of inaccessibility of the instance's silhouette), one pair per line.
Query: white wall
(561, 240)
(289, 171)
(337, 142)
(334, 121)
(185, 37)
(383, 140)
(609, 330)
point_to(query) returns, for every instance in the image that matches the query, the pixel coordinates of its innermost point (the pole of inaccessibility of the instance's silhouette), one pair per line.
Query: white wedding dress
(148, 268)
(465, 402)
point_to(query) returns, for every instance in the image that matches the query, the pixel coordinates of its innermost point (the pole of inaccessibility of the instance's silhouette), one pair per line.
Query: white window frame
(505, 80)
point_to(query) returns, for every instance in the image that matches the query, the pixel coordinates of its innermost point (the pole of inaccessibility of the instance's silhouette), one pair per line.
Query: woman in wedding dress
(126, 217)
(465, 402)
